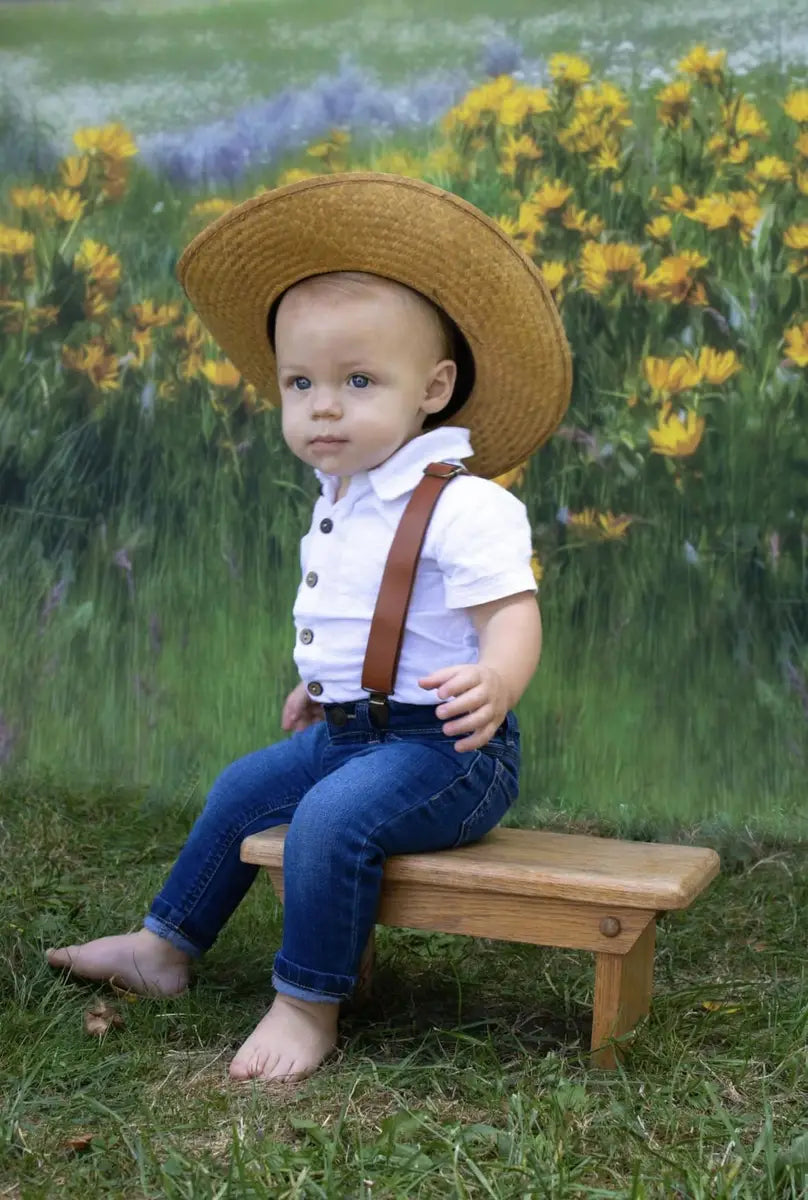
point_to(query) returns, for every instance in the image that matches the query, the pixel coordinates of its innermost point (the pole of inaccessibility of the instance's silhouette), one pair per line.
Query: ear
(439, 386)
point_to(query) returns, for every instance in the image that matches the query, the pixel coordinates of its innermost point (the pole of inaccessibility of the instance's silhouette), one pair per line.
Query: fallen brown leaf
(78, 1143)
(99, 1019)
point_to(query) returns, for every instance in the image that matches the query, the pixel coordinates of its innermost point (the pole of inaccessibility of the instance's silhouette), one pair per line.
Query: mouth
(327, 441)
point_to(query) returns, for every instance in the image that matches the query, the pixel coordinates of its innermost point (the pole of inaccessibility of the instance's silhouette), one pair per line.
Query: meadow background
(654, 160)
(151, 513)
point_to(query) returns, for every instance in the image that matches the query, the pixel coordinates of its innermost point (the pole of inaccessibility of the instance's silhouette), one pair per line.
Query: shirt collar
(404, 468)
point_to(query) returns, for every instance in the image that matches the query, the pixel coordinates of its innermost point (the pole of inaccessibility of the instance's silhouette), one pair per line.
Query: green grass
(465, 1075)
(163, 65)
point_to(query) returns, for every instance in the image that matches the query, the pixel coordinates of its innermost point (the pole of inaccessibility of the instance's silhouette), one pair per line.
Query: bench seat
(549, 889)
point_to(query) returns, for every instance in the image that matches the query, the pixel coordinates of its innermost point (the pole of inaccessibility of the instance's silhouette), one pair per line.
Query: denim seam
(499, 770)
(197, 893)
(372, 832)
(317, 991)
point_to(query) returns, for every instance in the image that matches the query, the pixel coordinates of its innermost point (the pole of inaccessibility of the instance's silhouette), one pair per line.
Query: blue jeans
(352, 794)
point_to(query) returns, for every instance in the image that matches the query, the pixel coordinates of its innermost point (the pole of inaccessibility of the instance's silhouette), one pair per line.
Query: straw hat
(420, 235)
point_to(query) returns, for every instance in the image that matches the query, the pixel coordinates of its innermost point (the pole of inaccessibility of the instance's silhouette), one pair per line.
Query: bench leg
(623, 985)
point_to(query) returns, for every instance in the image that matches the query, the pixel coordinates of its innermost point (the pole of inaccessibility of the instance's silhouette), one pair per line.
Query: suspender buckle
(379, 710)
(445, 470)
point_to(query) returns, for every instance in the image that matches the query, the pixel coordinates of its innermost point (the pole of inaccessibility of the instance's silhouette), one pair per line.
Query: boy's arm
(510, 634)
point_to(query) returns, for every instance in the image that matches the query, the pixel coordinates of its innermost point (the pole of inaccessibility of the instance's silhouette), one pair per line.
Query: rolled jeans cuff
(304, 984)
(171, 935)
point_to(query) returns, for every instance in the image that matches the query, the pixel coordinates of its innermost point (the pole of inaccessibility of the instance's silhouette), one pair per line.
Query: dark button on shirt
(316, 688)
(326, 525)
(311, 578)
(306, 636)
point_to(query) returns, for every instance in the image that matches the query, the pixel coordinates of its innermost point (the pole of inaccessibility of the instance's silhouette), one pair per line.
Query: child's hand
(300, 710)
(480, 693)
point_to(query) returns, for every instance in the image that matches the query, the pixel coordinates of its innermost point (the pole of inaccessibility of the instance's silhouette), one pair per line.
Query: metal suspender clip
(379, 710)
(449, 473)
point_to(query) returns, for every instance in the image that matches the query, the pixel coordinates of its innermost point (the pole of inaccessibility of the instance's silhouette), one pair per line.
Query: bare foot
(142, 962)
(290, 1042)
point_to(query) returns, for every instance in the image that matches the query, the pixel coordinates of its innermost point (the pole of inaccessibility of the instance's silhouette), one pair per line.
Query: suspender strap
(387, 627)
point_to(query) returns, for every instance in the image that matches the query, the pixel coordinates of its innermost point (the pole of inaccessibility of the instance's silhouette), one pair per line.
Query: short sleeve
(483, 544)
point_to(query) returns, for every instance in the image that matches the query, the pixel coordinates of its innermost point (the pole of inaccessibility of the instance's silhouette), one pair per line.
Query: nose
(324, 401)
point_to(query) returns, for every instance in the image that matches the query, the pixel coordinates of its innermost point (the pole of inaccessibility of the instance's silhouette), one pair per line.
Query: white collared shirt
(477, 548)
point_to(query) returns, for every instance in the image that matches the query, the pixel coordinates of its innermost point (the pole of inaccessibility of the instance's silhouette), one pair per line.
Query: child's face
(361, 359)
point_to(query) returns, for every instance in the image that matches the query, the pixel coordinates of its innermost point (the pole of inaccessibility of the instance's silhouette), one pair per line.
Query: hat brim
(419, 235)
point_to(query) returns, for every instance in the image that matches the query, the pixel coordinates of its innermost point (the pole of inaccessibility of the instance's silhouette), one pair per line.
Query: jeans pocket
(498, 798)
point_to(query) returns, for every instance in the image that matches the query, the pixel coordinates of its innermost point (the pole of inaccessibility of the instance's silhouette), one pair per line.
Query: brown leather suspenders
(387, 626)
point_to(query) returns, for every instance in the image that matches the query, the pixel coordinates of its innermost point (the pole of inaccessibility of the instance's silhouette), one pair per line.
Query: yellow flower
(737, 210)
(771, 169)
(191, 365)
(400, 162)
(508, 225)
(485, 99)
(111, 140)
(550, 196)
(523, 147)
(568, 69)
(717, 367)
(584, 521)
(600, 261)
(605, 104)
(678, 200)
(582, 135)
(74, 170)
(802, 182)
(738, 153)
(512, 478)
(294, 175)
(67, 205)
(659, 228)
(214, 207)
(190, 332)
(742, 119)
(99, 264)
(522, 102)
(15, 241)
(330, 146)
(796, 236)
(706, 67)
(221, 373)
(614, 526)
(16, 316)
(675, 436)
(96, 362)
(29, 197)
(148, 315)
(796, 105)
(96, 304)
(577, 220)
(607, 157)
(669, 376)
(674, 104)
(144, 347)
(443, 160)
(674, 279)
(554, 272)
(801, 144)
(536, 568)
(796, 339)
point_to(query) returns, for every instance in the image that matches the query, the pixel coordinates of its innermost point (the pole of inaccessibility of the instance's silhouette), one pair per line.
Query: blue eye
(297, 379)
(363, 384)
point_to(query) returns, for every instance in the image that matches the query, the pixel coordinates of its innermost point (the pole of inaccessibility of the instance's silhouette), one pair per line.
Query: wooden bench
(550, 889)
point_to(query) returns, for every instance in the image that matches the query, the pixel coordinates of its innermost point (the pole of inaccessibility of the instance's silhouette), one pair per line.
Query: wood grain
(623, 986)
(559, 866)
